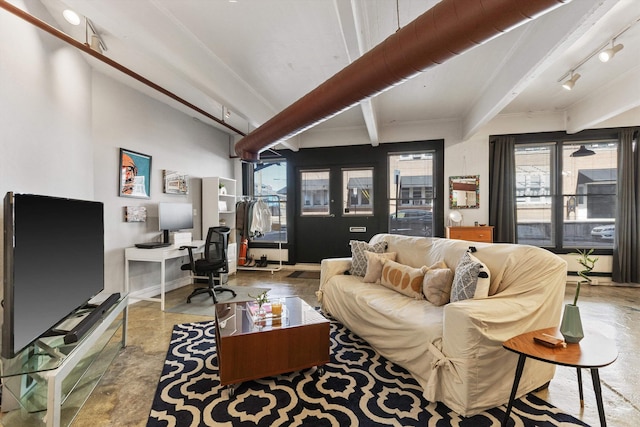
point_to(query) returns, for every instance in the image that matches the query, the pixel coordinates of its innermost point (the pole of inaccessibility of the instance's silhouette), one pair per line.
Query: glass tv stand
(49, 381)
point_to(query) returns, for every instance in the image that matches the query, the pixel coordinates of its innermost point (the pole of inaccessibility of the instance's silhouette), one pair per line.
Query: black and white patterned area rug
(358, 388)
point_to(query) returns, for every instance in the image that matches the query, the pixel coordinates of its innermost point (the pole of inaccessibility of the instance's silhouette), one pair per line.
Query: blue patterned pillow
(359, 259)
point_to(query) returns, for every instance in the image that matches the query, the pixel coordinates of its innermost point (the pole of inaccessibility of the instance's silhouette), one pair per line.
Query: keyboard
(152, 245)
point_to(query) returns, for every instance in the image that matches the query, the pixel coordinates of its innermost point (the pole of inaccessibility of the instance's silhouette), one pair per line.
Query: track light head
(607, 54)
(568, 85)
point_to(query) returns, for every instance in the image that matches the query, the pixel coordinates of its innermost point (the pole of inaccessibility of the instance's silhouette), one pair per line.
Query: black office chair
(213, 264)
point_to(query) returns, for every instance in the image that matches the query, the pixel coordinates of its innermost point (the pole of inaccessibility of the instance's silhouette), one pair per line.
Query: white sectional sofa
(454, 351)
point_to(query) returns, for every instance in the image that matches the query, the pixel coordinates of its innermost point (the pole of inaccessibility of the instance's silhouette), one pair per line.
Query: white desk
(159, 255)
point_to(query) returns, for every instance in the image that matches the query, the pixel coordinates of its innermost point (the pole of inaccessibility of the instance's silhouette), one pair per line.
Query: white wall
(124, 118)
(61, 127)
(45, 112)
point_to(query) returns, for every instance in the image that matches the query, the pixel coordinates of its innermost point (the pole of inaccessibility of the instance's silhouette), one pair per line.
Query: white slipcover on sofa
(454, 351)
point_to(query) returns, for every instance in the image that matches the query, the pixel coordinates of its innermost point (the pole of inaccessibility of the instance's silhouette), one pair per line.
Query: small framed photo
(176, 182)
(222, 206)
(135, 174)
(135, 214)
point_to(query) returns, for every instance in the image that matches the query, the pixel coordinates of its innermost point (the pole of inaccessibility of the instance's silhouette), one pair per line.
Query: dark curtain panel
(626, 250)
(502, 176)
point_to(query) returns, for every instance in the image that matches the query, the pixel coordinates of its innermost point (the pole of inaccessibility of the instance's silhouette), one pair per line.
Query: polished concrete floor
(124, 395)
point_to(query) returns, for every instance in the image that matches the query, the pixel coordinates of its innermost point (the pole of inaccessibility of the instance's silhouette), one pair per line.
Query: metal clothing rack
(279, 265)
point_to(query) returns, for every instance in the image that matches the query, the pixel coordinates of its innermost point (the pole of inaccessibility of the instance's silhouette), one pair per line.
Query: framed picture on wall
(135, 174)
(176, 182)
(135, 214)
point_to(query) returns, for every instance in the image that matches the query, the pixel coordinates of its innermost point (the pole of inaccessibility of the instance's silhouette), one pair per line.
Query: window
(566, 193)
(314, 192)
(534, 211)
(411, 194)
(589, 186)
(270, 184)
(357, 191)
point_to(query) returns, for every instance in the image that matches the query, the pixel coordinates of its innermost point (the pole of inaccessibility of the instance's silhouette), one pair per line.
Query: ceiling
(253, 58)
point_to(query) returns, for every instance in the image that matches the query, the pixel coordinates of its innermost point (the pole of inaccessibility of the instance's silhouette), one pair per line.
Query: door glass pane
(411, 193)
(314, 192)
(534, 201)
(270, 184)
(589, 186)
(357, 191)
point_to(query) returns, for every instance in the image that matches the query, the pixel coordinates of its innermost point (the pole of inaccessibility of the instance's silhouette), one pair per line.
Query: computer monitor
(174, 217)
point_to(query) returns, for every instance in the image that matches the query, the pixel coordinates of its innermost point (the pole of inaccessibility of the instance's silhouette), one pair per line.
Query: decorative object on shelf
(222, 206)
(135, 214)
(175, 182)
(464, 192)
(135, 174)
(571, 326)
(222, 188)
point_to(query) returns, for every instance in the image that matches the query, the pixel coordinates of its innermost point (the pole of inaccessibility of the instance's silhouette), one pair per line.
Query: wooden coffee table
(592, 352)
(249, 349)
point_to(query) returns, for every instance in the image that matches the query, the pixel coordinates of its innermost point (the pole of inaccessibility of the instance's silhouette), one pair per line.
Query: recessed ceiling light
(71, 17)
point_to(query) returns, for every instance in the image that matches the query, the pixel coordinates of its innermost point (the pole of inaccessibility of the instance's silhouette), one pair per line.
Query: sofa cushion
(375, 262)
(437, 282)
(358, 259)
(471, 279)
(403, 278)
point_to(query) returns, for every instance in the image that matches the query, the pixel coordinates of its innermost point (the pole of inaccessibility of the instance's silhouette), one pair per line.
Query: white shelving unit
(219, 208)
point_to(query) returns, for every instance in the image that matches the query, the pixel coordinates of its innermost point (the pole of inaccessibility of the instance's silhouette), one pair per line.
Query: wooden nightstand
(474, 234)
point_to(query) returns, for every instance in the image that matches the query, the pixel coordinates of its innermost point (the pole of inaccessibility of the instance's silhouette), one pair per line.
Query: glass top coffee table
(251, 347)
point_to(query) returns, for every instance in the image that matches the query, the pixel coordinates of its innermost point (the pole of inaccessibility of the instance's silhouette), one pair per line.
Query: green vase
(571, 326)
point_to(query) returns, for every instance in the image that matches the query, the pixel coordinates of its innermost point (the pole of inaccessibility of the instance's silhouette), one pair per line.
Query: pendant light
(582, 152)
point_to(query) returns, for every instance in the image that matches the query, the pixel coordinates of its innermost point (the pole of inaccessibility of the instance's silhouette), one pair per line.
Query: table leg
(595, 377)
(162, 273)
(580, 388)
(126, 277)
(514, 389)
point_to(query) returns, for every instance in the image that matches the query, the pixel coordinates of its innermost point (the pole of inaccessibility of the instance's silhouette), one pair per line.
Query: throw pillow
(404, 279)
(358, 259)
(471, 279)
(374, 265)
(436, 285)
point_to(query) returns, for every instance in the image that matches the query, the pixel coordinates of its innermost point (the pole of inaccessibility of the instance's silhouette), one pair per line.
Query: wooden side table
(474, 234)
(594, 351)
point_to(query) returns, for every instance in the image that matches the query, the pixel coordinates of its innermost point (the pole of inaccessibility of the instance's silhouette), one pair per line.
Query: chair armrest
(330, 267)
(192, 261)
(492, 320)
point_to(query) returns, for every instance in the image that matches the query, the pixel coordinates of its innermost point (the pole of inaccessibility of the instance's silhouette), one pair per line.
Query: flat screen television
(53, 264)
(174, 217)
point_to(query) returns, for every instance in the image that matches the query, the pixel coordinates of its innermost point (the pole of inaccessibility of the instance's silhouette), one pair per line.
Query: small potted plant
(261, 299)
(571, 326)
(222, 188)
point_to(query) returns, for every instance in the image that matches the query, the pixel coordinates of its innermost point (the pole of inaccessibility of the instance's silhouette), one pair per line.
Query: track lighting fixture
(607, 54)
(568, 85)
(93, 38)
(604, 53)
